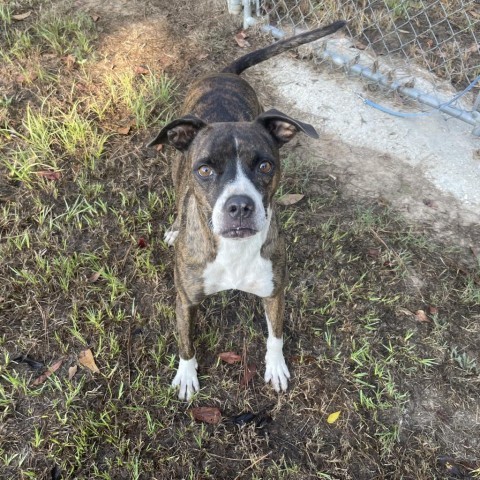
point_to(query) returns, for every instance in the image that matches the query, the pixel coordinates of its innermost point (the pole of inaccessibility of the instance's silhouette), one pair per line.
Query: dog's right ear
(179, 133)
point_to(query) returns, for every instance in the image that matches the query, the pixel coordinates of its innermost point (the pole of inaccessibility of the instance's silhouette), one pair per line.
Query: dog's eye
(205, 171)
(265, 167)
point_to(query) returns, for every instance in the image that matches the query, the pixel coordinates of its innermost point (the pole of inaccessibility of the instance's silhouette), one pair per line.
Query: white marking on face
(240, 185)
(240, 266)
(276, 370)
(186, 378)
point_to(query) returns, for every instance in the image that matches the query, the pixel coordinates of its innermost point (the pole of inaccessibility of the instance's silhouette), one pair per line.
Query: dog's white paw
(170, 236)
(186, 379)
(276, 370)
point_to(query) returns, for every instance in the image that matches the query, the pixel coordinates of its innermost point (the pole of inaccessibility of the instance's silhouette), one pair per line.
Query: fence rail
(442, 36)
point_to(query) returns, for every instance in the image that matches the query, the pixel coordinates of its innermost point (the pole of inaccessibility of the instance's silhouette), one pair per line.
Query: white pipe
(473, 118)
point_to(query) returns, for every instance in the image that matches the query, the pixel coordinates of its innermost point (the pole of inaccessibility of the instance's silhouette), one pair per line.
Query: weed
(148, 98)
(464, 361)
(5, 15)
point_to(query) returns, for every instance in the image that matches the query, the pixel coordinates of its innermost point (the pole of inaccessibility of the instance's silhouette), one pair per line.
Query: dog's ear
(282, 127)
(179, 133)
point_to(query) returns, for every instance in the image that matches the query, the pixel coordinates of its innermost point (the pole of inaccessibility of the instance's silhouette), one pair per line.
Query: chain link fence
(441, 36)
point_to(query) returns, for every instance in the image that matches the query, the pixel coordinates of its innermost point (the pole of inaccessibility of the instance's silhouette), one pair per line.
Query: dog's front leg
(186, 378)
(276, 370)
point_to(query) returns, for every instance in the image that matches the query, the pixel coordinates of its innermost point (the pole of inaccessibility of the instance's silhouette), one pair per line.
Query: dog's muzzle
(238, 217)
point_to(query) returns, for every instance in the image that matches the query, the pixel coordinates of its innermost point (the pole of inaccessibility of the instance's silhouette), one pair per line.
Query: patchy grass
(82, 213)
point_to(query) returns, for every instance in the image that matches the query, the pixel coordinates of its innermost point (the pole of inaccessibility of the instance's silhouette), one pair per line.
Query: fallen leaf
(290, 198)
(248, 374)
(230, 357)
(159, 147)
(72, 371)
(421, 316)
(405, 311)
(95, 18)
(432, 310)
(142, 243)
(139, 70)
(333, 417)
(22, 16)
(242, 34)
(240, 38)
(53, 368)
(210, 415)
(86, 359)
(124, 130)
(49, 174)
(94, 277)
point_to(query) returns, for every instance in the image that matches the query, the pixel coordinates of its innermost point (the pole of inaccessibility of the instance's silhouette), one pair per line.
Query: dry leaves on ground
(240, 38)
(72, 371)
(210, 415)
(86, 359)
(21, 16)
(290, 198)
(333, 417)
(421, 316)
(53, 368)
(230, 357)
(124, 130)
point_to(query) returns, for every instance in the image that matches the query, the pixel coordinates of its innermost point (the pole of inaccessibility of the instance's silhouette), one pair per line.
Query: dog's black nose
(239, 207)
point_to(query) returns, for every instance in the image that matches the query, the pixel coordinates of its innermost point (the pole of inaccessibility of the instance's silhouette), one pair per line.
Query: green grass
(55, 30)
(147, 97)
(74, 276)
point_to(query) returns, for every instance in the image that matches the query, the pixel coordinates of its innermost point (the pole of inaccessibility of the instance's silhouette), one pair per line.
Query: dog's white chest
(239, 266)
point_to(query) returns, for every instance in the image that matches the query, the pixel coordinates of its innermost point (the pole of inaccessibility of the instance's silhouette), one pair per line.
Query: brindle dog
(226, 234)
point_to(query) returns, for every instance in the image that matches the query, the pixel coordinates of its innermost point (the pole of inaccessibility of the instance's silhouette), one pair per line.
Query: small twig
(210, 454)
(399, 258)
(252, 465)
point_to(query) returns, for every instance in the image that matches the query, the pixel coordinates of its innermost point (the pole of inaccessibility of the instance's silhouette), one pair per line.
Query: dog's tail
(251, 59)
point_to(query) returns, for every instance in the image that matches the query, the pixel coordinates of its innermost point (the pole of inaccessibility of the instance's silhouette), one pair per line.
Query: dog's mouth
(239, 232)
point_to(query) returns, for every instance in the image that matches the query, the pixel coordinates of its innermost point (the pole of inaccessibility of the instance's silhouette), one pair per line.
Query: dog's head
(234, 166)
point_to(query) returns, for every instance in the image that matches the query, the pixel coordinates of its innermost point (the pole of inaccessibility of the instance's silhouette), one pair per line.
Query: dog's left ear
(179, 133)
(282, 127)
